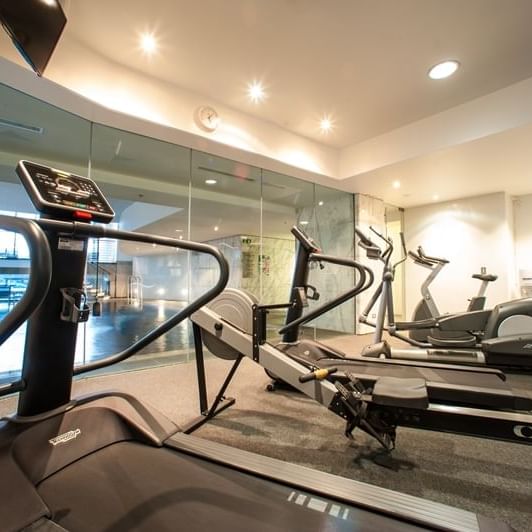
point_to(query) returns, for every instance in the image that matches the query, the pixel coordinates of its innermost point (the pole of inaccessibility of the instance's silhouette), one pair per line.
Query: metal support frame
(260, 318)
(221, 402)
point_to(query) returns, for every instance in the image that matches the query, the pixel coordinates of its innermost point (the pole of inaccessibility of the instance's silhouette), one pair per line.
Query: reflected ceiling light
(154, 245)
(210, 181)
(216, 228)
(396, 184)
(326, 124)
(180, 237)
(436, 197)
(256, 92)
(148, 43)
(320, 203)
(179, 230)
(444, 69)
(303, 222)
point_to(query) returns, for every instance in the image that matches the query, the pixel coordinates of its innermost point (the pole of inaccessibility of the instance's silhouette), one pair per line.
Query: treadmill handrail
(99, 231)
(40, 273)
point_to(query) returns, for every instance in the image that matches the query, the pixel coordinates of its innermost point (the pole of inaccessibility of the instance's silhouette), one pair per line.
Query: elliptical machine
(501, 337)
(427, 308)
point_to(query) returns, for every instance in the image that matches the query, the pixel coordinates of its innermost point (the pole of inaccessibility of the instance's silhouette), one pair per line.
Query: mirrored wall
(163, 189)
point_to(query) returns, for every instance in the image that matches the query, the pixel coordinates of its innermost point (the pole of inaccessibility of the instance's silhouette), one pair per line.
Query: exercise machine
(377, 396)
(500, 337)
(110, 462)
(426, 308)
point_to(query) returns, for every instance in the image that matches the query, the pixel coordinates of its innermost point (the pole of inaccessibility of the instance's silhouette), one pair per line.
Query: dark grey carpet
(491, 478)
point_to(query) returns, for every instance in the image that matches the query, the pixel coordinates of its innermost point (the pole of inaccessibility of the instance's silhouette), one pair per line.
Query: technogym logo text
(66, 437)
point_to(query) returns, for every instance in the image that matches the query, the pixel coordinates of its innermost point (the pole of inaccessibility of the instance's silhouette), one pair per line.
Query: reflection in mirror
(286, 202)
(133, 286)
(226, 213)
(33, 130)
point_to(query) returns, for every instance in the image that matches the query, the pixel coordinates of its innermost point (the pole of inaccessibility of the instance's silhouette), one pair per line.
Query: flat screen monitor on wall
(35, 27)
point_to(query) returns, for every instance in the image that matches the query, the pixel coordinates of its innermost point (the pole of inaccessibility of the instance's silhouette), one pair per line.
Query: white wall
(471, 233)
(523, 233)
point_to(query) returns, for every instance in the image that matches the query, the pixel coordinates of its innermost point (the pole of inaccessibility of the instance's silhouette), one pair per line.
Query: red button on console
(83, 215)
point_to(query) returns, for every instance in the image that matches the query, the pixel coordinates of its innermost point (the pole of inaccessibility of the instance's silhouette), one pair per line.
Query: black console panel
(64, 195)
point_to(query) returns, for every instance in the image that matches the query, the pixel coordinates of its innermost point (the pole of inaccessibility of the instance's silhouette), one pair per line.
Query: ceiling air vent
(21, 127)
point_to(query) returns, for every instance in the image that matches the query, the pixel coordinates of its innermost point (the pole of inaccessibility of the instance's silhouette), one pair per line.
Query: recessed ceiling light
(320, 203)
(444, 69)
(256, 92)
(304, 222)
(210, 181)
(216, 228)
(326, 124)
(396, 184)
(148, 43)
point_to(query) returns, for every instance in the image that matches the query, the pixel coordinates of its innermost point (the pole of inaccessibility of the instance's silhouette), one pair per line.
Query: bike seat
(466, 341)
(485, 277)
(406, 393)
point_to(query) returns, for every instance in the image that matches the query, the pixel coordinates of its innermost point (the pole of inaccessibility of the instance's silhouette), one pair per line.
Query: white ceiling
(364, 62)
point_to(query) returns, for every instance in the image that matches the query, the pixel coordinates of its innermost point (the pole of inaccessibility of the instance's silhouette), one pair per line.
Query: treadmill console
(63, 195)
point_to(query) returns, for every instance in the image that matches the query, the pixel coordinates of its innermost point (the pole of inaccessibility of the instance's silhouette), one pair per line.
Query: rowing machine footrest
(378, 350)
(407, 393)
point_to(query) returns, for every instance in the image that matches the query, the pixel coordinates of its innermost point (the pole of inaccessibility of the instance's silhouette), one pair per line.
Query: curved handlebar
(422, 254)
(97, 231)
(359, 287)
(40, 273)
(304, 239)
(363, 238)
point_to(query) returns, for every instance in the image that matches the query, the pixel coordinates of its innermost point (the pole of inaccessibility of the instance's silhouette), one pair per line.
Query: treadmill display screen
(64, 195)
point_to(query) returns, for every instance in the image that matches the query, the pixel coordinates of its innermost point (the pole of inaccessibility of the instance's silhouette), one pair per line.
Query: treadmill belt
(130, 486)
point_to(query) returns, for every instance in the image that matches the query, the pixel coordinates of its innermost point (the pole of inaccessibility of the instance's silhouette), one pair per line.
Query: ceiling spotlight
(216, 228)
(444, 69)
(210, 181)
(148, 43)
(256, 92)
(320, 203)
(304, 222)
(326, 124)
(396, 184)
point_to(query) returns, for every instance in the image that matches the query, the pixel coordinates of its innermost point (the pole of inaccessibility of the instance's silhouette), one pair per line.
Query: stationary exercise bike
(427, 308)
(501, 337)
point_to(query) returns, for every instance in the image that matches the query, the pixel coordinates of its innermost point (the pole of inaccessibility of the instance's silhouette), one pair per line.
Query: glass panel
(138, 286)
(34, 130)
(334, 232)
(286, 201)
(225, 212)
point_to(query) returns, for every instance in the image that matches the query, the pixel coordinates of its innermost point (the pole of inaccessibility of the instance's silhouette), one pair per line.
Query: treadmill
(111, 462)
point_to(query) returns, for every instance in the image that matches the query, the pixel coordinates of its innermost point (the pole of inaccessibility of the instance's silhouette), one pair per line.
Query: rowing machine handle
(317, 375)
